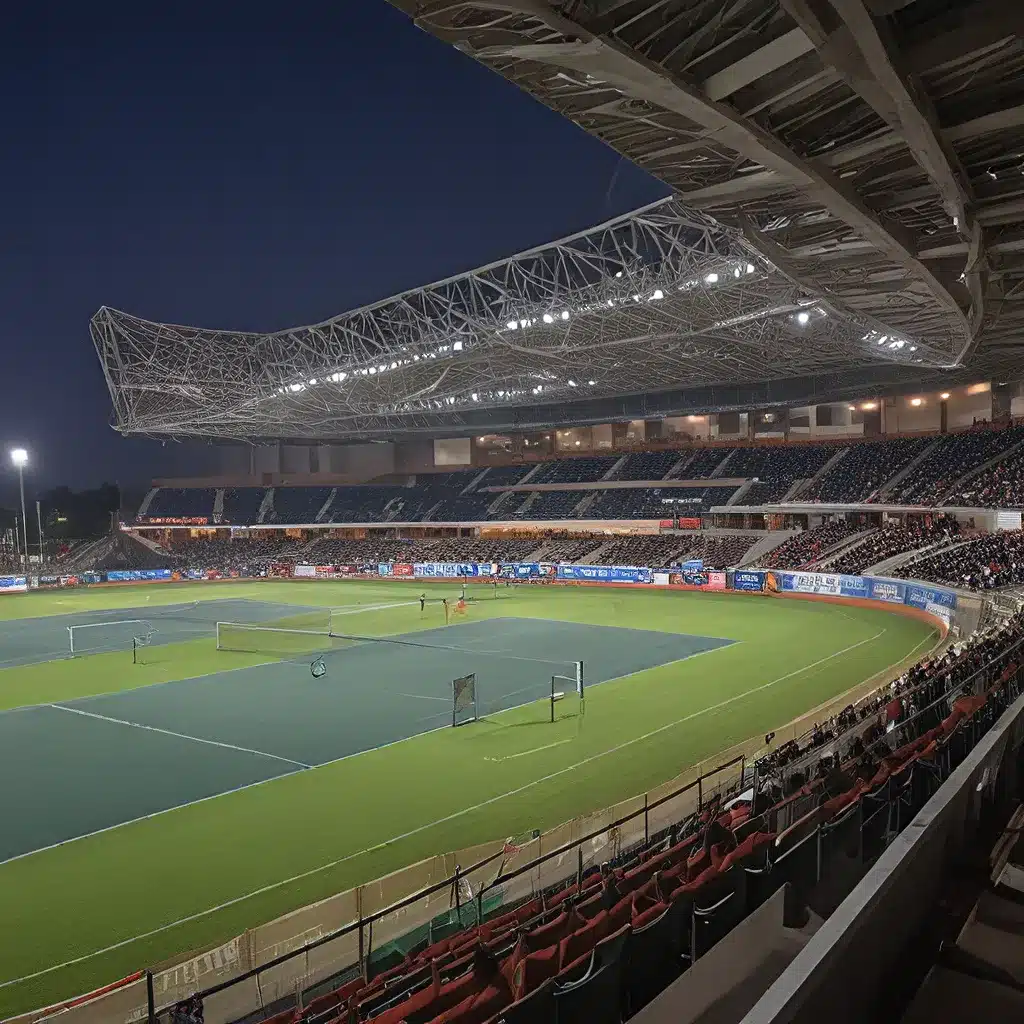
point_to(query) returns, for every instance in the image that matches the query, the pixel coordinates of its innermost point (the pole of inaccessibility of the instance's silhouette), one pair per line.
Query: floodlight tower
(20, 459)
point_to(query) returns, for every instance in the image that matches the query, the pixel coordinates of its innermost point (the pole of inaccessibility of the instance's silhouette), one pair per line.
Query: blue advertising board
(693, 565)
(136, 575)
(854, 586)
(746, 580)
(605, 573)
(13, 584)
(923, 597)
(887, 590)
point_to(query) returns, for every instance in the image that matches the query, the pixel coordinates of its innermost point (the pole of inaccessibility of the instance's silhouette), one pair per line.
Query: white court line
(532, 750)
(178, 735)
(423, 696)
(462, 812)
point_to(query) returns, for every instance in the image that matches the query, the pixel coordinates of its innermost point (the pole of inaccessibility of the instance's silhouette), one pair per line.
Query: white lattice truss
(863, 157)
(658, 299)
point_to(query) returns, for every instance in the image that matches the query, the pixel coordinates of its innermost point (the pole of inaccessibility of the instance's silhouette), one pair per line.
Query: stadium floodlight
(802, 318)
(20, 459)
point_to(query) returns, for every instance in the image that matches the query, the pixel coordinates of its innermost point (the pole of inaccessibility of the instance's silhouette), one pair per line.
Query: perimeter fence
(292, 959)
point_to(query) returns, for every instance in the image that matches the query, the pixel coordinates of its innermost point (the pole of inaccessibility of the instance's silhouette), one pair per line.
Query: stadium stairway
(613, 469)
(218, 505)
(325, 507)
(769, 542)
(719, 470)
(737, 495)
(978, 470)
(909, 468)
(827, 468)
(533, 472)
(266, 506)
(675, 472)
(146, 502)
(887, 565)
(843, 547)
(472, 485)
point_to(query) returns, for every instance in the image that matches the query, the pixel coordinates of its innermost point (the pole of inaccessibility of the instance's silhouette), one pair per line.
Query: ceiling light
(511, 325)
(565, 314)
(618, 273)
(658, 294)
(712, 278)
(803, 317)
(916, 402)
(853, 408)
(577, 444)
(750, 268)
(944, 396)
(867, 406)
(548, 318)
(591, 382)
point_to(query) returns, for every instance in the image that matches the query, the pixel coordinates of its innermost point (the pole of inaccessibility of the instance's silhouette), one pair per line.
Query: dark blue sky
(247, 165)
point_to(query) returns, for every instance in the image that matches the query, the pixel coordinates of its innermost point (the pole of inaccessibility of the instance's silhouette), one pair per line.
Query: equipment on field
(464, 700)
(101, 637)
(318, 668)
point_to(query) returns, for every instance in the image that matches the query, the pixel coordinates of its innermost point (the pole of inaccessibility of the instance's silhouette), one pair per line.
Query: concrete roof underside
(848, 216)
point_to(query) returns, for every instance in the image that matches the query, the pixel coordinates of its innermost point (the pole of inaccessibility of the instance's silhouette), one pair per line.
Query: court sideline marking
(455, 815)
(178, 735)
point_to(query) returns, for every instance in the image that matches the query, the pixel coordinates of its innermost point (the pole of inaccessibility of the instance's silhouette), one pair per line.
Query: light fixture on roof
(658, 294)
(712, 278)
(802, 318)
(591, 382)
(548, 318)
(736, 272)
(750, 268)
(853, 408)
(511, 325)
(618, 273)
(577, 444)
(571, 383)
(944, 396)
(565, 314)
(916, 402)
(868, 406)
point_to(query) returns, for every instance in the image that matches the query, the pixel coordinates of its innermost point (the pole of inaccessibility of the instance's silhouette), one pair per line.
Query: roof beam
(980, 26)
(908, 112)
(640, 79)
(770, 57)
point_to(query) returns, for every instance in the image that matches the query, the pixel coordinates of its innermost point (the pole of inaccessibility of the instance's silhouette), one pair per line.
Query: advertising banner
(13, 584)
(810, 583)
(175, 520)
(137, 575)
(689, 523)
(436, 570)
(385, 569)
(887, 590)
(605, 573)
(745, 580)
(661, 579)
(854, 586)
(923, 597)
(305, 570)
(705, 579)
(401, 569)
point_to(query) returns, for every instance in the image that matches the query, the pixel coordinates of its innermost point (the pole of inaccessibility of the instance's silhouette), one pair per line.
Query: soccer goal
(102, 637)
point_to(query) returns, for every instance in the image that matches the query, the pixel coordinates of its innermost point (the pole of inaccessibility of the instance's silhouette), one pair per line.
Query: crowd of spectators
(999, 486)
(995, 560)
(864, 469)
(807, 546)
(857, 739)
(952, 456)
(895, 539)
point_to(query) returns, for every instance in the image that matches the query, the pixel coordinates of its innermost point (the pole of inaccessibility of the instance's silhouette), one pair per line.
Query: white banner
(305, 570)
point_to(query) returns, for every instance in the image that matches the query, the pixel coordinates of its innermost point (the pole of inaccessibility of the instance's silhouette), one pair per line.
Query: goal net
(103, 637)
(278, 640)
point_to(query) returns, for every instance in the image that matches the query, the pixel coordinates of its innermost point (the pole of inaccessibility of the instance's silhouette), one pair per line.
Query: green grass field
(95, 908)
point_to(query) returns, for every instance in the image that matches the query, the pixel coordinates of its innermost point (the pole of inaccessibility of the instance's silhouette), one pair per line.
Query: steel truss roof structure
(848, 212)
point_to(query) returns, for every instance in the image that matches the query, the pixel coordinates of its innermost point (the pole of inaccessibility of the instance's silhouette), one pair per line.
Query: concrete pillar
(1002, 396)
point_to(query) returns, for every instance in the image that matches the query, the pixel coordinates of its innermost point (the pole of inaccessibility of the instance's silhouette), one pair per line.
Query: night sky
(247, 165)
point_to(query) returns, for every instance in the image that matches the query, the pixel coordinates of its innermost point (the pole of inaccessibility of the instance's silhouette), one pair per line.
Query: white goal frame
(106, 625)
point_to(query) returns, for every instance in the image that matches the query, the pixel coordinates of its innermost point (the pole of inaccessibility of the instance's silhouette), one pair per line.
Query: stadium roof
(849, 215)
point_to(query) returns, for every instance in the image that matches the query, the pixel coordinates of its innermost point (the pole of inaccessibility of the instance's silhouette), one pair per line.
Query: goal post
(102, 637)
(567, 693)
